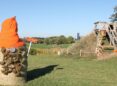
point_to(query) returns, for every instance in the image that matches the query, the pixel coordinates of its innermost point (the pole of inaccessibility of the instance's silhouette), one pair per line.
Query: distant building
(78, 36)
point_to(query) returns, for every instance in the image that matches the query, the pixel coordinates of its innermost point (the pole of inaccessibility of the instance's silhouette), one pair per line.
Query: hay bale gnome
(13, 55)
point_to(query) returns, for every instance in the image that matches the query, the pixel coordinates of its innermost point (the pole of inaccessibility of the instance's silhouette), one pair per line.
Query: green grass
(50, 70)
(49, 46)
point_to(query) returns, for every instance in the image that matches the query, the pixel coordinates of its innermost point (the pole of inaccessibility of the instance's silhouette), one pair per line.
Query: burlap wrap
(13, 66)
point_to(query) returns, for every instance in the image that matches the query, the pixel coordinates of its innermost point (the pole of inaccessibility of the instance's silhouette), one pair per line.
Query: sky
(43, 18)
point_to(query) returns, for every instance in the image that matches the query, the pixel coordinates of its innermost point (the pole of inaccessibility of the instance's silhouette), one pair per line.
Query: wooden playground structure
(105, 31)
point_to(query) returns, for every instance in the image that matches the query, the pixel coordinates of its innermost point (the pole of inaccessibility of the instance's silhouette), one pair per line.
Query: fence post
(80, 52)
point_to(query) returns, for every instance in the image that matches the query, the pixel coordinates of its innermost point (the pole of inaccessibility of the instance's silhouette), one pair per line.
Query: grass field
(49, 70)
(43, 46)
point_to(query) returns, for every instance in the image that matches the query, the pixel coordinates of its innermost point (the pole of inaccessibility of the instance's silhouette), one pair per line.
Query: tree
(62, 40)
(46, 41)
(114, 15)
(70, 39)
(59, 40)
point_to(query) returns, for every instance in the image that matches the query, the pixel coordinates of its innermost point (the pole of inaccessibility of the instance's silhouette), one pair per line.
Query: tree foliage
(70, 39)
(114, 15)
(59, 40)
(54, 40)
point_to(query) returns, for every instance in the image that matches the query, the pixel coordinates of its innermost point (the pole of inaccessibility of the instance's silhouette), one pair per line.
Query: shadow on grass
(36, 73)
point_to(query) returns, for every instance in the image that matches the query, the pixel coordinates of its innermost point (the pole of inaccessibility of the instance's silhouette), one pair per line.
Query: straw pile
(13, 66)
(86, 43)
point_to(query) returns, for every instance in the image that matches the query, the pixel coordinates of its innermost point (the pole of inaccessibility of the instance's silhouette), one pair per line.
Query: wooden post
(29, 48)
(80, 52)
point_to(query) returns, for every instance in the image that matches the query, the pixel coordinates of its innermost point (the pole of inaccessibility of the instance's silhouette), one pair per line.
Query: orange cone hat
(8, 36)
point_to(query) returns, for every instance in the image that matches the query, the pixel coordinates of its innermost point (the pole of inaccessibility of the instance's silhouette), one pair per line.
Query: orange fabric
(34, 40)
(115, 51)
(8, 35)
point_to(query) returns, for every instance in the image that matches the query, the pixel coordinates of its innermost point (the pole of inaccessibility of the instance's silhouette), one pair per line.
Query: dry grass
(106, 56)
(87, 44)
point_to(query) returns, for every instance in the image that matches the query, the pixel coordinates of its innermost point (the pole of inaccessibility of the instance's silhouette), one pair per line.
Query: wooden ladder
(112, 33)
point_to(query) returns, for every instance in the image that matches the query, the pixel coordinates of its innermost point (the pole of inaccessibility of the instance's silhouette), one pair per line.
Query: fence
(51, 51)
(86, 53)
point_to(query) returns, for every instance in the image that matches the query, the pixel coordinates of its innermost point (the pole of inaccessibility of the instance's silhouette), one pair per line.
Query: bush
(70, 40)
(59, 40)
(33, 52)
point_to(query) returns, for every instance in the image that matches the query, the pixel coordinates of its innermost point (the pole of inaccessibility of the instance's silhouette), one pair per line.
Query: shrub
(59, 40)
(33, 52)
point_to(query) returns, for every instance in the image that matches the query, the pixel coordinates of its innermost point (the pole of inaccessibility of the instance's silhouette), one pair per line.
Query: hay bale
(13, 66)
(106, 56)
(87, 43)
